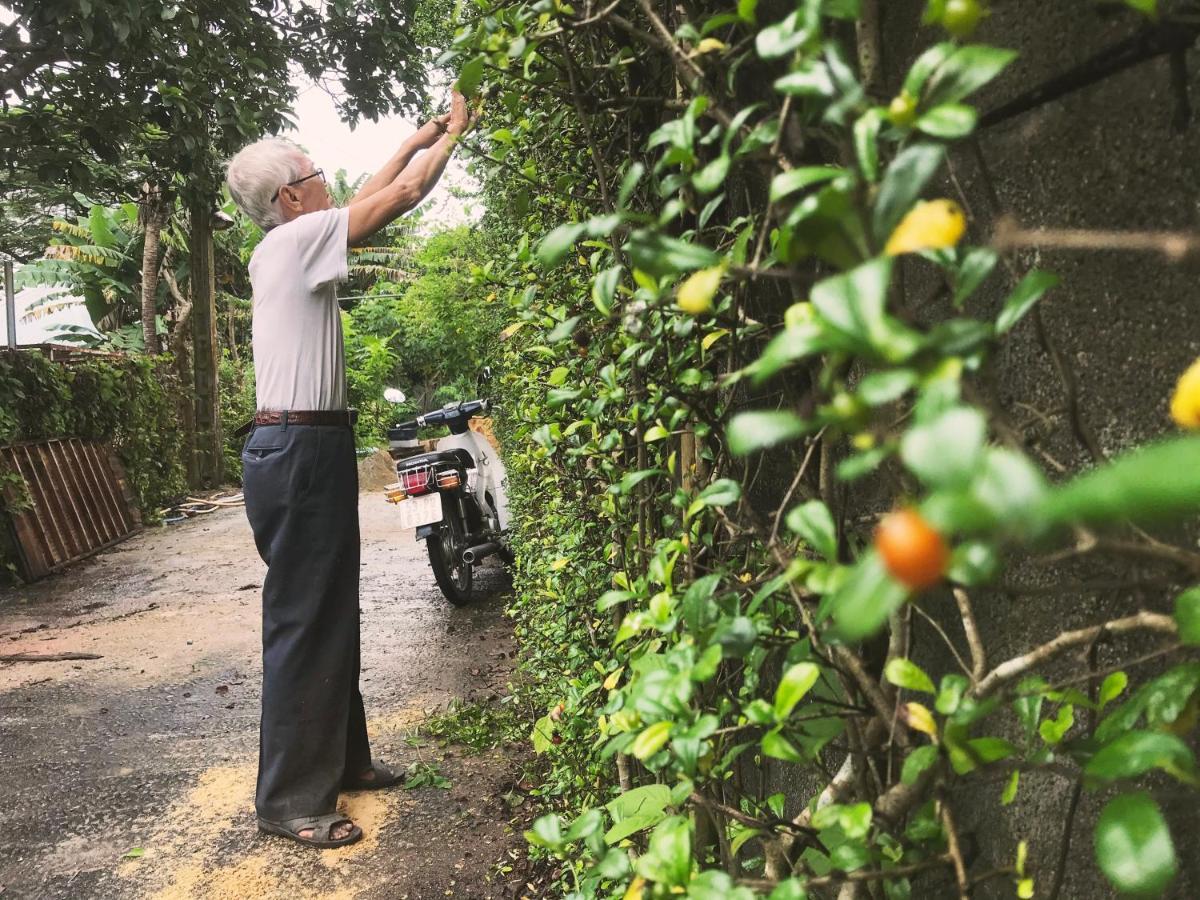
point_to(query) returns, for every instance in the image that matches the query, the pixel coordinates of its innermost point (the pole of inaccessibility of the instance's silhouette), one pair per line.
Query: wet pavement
(132, 775)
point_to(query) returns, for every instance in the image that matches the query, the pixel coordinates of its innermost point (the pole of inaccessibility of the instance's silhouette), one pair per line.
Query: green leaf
(1133, 846)
(906, 177)
(917, 762)
(543, 731)
(966, 71)
(975, 267)
(1137, 752)
(712, 176)
(722, 492)
(1010, 789)
(629, 182)
(905, 673)
(813, 522)
(946, 452)
(950, 694)
(655, 433)
(1027, 293)
(546, 832)
(636, 810)
(1111, 688)
(749, 432)
(926, 64)
(948, 121)
(604, 288)
(792, 889)
(781, 38)
(865, 599)
(879, 388)
(470, 76)
(1187, 616)
(668, 858)
(1157, 482)
(1054, 730)
(796, 682)
(852, 308)
(1161, 701)
(660, 255)
(558, 243)
(776, 746)
(134, 853)
(787, 183)
(652, 739)
(866, 142)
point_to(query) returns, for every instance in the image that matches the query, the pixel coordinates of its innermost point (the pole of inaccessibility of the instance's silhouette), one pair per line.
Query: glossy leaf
(1134, 847)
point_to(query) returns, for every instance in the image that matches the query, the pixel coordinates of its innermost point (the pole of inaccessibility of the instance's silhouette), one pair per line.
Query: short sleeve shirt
(299, 361)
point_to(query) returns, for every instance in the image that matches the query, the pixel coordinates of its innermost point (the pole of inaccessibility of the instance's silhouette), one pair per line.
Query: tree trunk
(154, 216)
(204, 347)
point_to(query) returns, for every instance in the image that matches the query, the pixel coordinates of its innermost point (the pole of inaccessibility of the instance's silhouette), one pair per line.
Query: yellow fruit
(903, 110)
(930, 225)
(1185, 403)
(696, 294)
(961, 17)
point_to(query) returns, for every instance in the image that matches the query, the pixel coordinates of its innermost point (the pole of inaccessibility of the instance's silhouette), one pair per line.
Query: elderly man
(300, 476)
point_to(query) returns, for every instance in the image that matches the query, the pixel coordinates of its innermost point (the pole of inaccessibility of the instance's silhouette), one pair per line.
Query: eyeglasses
(320, 173)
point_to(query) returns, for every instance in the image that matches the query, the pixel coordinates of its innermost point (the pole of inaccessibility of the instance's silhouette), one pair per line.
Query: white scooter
(455, 497)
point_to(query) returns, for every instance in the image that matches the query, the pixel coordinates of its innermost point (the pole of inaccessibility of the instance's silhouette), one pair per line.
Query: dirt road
(132, 775)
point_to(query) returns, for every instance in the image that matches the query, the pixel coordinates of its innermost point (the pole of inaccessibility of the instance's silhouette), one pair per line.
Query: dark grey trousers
(301, 489)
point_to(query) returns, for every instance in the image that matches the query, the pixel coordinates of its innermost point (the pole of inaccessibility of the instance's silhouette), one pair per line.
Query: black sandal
(384, 777)
(322, 829)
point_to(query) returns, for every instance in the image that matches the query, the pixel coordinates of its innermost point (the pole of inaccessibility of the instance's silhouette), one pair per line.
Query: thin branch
(954, 847)
(1174, 245)
(1019, 665)
(978, 653)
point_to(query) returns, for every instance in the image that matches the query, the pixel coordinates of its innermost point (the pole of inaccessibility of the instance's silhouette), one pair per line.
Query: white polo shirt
(299, 361)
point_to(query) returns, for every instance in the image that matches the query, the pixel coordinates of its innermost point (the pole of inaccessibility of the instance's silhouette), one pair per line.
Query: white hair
(257, 171)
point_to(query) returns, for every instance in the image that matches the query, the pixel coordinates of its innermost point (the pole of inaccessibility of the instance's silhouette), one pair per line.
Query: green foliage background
(127, 402)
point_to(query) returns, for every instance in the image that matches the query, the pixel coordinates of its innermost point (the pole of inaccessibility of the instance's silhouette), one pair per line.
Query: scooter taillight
(417, 481)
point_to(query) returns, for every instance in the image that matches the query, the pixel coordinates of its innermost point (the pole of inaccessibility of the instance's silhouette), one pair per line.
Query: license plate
(417, 511)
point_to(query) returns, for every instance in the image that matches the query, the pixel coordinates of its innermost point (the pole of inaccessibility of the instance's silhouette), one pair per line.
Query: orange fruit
(912, 551)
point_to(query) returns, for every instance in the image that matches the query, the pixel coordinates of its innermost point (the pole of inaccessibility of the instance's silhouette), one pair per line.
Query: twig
(812, 446)
(946, 638)
(1174, 245)
(954, 848)
(857, 875)
(978, 653)
(1019, 665)
(45, 657)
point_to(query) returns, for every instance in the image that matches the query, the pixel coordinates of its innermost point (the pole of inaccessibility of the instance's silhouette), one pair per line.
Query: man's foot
(339, 831)
(374, 778)
(325, 831)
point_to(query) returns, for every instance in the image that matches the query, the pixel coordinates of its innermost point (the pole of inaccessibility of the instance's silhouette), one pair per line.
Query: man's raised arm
(424, 137)
(414, 181)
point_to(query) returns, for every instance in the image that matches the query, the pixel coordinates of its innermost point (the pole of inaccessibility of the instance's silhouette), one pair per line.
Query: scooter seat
(456, 457)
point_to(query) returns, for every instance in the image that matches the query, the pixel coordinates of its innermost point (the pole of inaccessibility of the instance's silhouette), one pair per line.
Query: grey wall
(1105, 157)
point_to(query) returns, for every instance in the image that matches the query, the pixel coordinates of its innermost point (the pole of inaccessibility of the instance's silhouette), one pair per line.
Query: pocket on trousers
(259, 453)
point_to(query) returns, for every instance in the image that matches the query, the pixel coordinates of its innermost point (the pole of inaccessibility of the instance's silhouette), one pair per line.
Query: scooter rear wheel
(453, 576)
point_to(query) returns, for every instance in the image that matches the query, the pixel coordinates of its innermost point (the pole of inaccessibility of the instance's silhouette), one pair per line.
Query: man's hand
(461, 119)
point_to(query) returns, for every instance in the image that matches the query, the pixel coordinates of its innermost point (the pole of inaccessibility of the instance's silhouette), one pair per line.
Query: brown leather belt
(346, 417)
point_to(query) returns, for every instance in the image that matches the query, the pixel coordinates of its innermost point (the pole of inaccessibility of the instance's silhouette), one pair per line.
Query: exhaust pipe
(473, 555)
